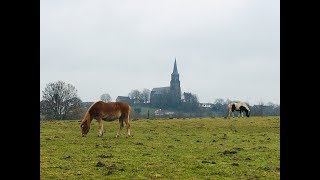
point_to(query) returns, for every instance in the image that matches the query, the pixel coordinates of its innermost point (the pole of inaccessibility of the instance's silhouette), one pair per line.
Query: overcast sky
(224, 48)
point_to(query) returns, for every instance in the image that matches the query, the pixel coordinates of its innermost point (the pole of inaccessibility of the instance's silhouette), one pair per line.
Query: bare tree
(219, 107)
(190, 102)
(75, 110)
(219, 101)
(145, 95)
(261, 108)
(135, 95)
(228, 101)
(271, 104)
(105, 97)
(58, 99)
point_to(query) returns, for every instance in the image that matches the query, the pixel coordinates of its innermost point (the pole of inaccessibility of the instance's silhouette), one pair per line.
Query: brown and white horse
(109, 111)
(238, 106)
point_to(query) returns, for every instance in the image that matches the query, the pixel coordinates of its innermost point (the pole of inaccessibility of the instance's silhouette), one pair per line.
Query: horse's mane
(87, 116)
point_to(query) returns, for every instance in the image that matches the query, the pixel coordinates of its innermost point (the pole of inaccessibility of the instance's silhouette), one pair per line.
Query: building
(167, 96)
(206, 105)
(163, 113)
(124, 99)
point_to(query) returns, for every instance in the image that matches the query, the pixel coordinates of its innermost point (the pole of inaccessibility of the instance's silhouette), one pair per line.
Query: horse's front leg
(100, 127)
(118, 132)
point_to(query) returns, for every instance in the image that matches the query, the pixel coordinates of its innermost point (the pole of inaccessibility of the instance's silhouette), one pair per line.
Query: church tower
(175, 86)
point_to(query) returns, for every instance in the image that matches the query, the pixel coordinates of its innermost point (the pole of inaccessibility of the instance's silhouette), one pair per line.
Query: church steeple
(175, 74)
(175, 86)
(175, 69)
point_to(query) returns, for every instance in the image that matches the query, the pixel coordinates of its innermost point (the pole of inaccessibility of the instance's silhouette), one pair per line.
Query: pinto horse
(238, 106)
(109, 111)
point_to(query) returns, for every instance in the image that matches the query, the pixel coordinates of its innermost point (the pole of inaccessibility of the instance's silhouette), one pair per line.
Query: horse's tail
(123, 116)
(121, 121)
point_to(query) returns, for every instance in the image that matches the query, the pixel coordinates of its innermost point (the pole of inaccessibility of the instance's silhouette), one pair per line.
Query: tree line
(60, 101)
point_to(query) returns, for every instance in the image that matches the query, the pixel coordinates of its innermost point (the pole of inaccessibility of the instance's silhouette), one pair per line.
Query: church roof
(161, 90)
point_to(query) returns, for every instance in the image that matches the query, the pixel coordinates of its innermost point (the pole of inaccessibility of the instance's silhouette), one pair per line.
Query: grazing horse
(109, 111)
(238, 106)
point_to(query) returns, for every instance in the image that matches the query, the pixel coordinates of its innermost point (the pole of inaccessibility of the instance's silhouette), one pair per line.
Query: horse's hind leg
(120, 126)
(127, 121)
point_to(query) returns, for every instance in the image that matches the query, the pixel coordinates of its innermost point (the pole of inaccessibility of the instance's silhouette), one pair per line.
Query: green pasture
(197, 148)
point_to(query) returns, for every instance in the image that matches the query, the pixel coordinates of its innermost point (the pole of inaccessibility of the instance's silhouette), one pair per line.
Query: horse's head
(247, 110)
(247, 113)
(84, 128)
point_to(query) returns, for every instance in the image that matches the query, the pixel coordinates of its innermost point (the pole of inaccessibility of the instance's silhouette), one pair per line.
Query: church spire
(175, 69)
(175, 89)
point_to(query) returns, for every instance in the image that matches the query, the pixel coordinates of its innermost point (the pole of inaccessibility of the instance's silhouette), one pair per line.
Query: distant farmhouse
(160, 112)
(124, 99)
(205, 105)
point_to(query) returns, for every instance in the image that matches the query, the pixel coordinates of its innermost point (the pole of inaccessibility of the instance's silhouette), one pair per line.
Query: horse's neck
(88, 119)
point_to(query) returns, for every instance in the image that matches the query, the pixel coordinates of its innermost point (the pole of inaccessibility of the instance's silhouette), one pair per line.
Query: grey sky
(224, 48)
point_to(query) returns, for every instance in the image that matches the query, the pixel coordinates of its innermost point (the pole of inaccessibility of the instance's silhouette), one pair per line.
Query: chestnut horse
(238, 106)
(109, 111)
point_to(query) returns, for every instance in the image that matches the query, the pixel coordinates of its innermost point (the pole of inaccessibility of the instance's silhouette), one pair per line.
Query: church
(167, 96)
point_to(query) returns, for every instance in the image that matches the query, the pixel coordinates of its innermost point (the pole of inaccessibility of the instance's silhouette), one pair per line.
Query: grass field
(207, 148)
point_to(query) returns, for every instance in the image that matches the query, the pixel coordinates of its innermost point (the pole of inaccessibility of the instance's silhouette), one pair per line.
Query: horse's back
(123, 106)
(111, 108)
(237, 105)
(115, 107)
